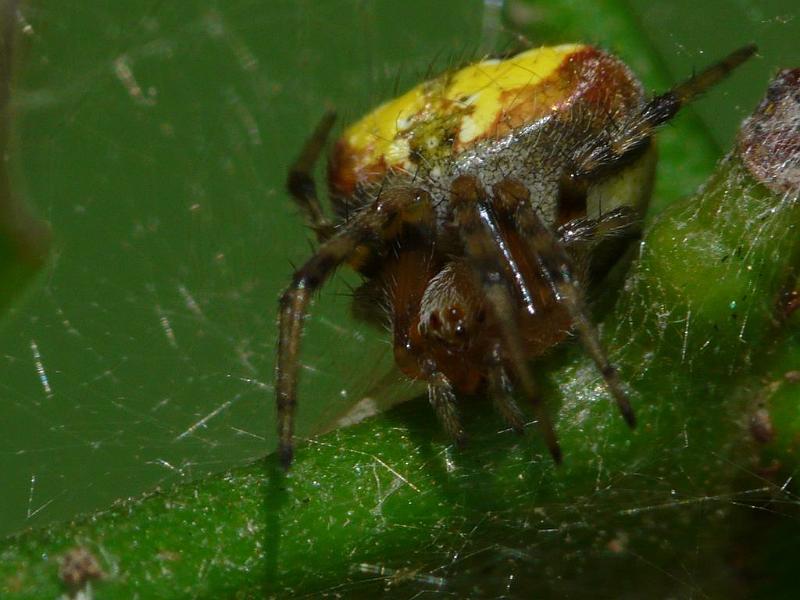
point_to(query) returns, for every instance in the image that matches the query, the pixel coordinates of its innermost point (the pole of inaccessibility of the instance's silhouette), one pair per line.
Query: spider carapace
(477, 206)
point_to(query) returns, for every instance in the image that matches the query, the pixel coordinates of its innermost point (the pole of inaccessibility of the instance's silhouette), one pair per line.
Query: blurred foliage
(24, 240)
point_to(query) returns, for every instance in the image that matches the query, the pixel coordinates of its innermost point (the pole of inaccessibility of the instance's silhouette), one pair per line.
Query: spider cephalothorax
(476, 206)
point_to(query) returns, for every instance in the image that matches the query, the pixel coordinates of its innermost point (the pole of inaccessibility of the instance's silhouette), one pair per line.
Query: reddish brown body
(454, 331)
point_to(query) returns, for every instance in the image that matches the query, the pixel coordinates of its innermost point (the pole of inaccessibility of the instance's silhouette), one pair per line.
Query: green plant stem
(391, 493)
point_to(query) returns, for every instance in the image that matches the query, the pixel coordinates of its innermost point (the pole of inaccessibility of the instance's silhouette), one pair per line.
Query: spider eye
(455, 313)
(434, 321)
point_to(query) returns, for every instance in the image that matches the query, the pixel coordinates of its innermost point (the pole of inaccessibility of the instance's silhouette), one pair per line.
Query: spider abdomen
(524, 116)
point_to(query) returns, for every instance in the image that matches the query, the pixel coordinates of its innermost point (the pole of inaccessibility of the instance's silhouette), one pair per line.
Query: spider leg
(409, 274)
(443, 400)
(485, 249)
(636, 131)
(300, 181)
(555, 266)
(622, 222)
(364, 228)
(500, 391)
(595, 246)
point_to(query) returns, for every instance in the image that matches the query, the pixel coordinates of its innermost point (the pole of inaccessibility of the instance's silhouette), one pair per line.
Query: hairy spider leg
(443, 401)
(300, 181)
(555, 265)
(635, 133)
(410, 352)
(622, 222)
(500, 390)
(409, 274)
(484, 249)
(377, 222)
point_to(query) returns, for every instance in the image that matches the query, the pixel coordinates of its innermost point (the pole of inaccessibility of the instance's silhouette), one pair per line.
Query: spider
(478, 207)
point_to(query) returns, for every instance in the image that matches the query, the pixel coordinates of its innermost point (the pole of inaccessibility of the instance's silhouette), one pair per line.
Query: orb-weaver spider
(475, 206)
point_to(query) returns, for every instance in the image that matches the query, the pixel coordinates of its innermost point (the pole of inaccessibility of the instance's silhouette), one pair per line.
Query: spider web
(155, 138)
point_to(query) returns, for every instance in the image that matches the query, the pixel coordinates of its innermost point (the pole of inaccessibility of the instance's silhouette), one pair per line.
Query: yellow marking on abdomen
(468, 101)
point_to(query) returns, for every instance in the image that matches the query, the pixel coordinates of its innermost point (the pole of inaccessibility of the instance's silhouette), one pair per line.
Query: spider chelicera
(477, 207)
